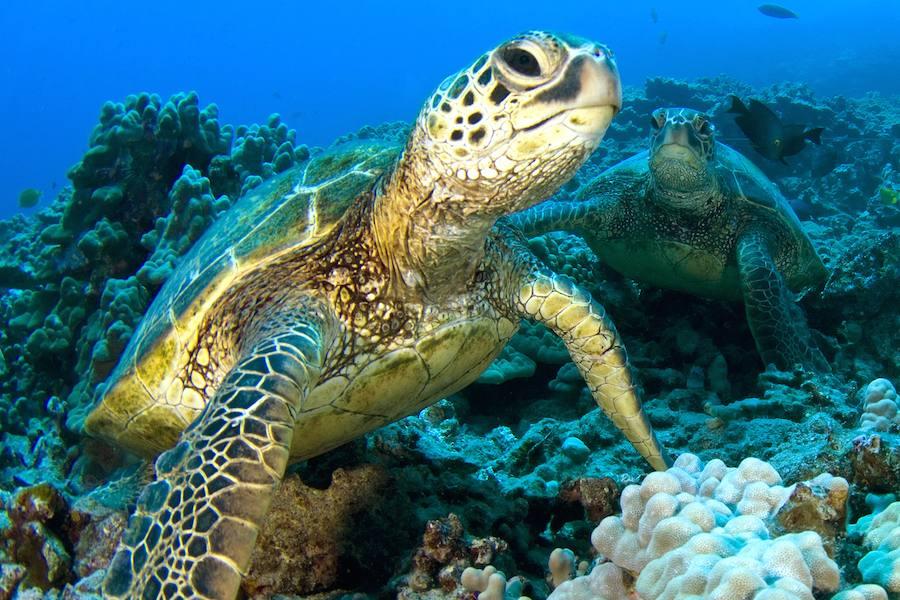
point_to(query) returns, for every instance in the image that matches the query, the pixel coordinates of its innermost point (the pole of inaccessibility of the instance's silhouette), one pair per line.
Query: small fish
(889, 196)
(653, 16)
(29, 197)
(769, 136)
(663, 37)
(777, 12)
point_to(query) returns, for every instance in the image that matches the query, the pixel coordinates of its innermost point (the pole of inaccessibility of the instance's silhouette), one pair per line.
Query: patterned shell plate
(289, 211)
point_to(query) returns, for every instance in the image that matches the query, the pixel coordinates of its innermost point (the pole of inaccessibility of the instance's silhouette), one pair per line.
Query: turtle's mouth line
(676, 151)
(615, 109)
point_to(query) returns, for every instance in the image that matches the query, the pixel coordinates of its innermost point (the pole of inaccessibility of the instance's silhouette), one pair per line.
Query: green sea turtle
(691, 214)
(349, 292)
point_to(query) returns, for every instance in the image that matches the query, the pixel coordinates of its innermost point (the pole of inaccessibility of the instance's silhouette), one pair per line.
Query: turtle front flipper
(777, 323)
(195, 526)
(552, 215)
(598, 352)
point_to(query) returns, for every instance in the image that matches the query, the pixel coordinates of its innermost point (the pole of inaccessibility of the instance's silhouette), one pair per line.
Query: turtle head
(682, 155)
(507, 131)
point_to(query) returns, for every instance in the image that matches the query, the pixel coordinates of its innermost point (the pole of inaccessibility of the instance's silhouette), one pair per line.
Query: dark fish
(663, 37)
(653, 16)
(778, 12)
(29, 197)
(769, 136)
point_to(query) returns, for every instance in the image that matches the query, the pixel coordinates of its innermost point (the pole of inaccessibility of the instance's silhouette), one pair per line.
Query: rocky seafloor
(522, 462)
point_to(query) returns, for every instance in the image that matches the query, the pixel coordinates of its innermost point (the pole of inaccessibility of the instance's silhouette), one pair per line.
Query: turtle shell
(289, 211)
(751, 200)
(802, 265)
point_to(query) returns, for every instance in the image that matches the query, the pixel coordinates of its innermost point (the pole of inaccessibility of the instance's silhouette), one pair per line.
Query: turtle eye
(702, 126)
(521, 61)
(658, 119)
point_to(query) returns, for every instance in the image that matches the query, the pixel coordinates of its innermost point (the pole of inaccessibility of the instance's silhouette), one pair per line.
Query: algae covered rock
(314, 539)
(30, 537)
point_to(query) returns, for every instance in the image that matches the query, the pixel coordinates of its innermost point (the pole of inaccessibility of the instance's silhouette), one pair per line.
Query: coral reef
(445, 562)
(522, 460)
(490, 584)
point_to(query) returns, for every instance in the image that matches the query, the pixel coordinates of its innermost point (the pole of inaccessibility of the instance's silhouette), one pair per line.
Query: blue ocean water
(330, 67)
(753, 339)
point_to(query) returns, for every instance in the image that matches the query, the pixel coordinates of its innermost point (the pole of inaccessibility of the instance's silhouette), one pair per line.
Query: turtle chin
(590, 122)
(677, 168)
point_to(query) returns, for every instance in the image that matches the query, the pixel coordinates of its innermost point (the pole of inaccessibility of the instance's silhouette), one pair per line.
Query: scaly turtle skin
(351, 292)
(691, 214)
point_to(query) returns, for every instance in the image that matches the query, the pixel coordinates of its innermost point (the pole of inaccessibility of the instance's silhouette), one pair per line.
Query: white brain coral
(605, 582)
(491, 584)
(881, 408)
(669, 508)
(721, 566)
(882, 565)
(700, 531)
(866, 591)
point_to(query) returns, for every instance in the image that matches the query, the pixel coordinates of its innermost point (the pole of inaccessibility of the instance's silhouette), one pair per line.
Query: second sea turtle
(692, 214)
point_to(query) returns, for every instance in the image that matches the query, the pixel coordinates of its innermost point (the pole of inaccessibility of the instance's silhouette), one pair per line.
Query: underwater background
(130, 128)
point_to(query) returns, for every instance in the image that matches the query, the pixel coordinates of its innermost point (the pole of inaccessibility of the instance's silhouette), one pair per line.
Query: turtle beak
(600, 96)
(600, 79)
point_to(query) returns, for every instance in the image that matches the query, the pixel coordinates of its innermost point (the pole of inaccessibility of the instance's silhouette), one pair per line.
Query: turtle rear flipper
(194, 527)
(777, 323)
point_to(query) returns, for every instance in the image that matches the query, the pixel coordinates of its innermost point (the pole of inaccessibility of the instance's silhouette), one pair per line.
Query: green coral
(193, 209)
(79, 256)
(260, 151)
